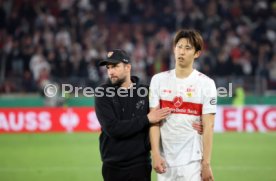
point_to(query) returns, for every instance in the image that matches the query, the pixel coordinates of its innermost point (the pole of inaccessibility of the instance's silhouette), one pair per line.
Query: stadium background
(60, 42)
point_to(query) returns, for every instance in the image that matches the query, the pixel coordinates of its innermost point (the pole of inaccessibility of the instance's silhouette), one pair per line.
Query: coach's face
(118, 73)
(185, 53)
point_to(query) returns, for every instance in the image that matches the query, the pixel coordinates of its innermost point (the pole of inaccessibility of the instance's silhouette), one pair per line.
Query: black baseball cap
(116, 56)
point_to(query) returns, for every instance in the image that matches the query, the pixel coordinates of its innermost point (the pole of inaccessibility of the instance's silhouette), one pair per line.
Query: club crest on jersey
(190, 91)
(177, 101)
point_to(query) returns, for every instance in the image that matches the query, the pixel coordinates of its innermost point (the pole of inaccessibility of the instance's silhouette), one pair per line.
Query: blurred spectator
(272, 69)
(8, 87)
(63, 40)
(272, 72)
(28, 84)
(239, 96)
(93, 74)
(38, 64)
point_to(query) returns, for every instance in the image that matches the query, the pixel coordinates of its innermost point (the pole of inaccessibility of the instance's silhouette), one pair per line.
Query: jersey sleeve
(154, 96)
(209, 98)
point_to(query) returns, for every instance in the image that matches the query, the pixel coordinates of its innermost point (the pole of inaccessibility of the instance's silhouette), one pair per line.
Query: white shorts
(189, 172)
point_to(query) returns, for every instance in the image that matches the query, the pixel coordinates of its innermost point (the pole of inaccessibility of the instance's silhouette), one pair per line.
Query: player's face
(117, 73)
(184, 53)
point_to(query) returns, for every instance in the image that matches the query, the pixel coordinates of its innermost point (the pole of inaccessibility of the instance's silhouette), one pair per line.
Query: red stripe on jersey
(185, 108)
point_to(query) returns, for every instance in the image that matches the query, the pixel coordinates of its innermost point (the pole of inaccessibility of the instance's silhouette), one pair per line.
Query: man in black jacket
(122, 109)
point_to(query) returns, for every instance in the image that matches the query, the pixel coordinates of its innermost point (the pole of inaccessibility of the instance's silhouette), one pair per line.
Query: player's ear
(197, 54)
(173, 49)
(128, 66)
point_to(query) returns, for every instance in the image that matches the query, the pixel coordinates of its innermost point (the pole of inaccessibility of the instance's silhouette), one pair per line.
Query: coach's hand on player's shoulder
(159, 164)
(198, 127)
(157, 114)
(206, 172)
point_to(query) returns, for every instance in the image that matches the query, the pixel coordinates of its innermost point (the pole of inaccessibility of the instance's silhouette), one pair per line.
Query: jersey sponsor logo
(213, 101)
(177, 101)
(179, 107)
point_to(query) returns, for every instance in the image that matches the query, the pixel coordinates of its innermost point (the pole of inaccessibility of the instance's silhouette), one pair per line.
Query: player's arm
(116, 127)
(208, 119)
(154, 98)
(208, 127)
(158, 161)
(198, 127)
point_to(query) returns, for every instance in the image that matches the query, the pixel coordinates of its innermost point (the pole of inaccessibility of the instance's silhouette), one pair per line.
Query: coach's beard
(117, 82)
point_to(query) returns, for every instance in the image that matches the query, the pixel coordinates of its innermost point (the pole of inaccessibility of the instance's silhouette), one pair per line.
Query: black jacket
(124, 140)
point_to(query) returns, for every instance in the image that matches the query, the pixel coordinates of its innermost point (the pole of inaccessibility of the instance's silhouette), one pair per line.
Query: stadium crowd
(63, 40)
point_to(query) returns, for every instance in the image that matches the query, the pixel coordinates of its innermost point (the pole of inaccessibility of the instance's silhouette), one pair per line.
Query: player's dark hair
(193, 36)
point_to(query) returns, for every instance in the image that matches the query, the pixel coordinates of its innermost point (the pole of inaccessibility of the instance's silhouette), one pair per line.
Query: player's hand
(206, 172)
(159, 164)
(198, 127)
(157, 114)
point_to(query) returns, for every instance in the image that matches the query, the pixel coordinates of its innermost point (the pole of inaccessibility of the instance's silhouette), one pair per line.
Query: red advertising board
(83, 119)
(245, 119)
(22, 120)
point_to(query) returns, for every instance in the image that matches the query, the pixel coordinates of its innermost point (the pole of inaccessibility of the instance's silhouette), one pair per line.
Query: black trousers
(139, 173)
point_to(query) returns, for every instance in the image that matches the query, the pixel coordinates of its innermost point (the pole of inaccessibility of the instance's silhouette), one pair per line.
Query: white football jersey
(188, 99)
